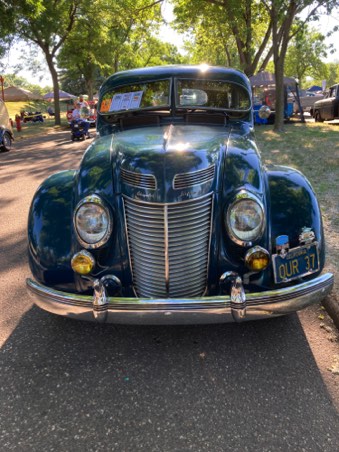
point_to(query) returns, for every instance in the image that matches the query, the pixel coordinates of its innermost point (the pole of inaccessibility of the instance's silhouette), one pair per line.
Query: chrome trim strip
(166, 251)
(183, 311)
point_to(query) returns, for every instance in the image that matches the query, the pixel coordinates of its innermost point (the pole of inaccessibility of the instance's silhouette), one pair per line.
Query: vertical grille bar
(169, 246)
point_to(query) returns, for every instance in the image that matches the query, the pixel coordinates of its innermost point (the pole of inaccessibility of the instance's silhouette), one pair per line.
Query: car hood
(169, 164)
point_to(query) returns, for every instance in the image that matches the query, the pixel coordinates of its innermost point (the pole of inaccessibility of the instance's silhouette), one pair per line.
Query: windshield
(211, 94)
(189, 94)
(139, 96)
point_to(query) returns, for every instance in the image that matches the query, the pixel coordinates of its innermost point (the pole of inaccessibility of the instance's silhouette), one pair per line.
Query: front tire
(317, 117)
(6, 142)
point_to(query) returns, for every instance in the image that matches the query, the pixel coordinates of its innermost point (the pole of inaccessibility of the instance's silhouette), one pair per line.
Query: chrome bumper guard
(218, 309)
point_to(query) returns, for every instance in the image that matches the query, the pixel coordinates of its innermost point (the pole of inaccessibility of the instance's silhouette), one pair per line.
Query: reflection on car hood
(169, 164)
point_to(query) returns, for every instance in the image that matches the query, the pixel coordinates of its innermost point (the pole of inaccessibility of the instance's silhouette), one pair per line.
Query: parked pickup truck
(307, 101)
(327, 108)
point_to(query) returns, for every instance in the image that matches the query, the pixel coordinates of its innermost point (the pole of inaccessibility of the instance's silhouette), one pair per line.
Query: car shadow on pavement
(83, 386)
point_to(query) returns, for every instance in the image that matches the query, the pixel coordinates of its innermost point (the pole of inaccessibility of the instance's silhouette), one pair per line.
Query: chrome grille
(186, 180)
(169, 247)
(138, 180)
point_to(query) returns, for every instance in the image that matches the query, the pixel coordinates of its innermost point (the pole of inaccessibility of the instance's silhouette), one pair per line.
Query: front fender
(293, 206)
(50, 229)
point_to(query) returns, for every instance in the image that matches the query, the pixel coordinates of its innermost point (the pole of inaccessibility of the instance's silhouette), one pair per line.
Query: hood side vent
(138, 180)
(187, 180)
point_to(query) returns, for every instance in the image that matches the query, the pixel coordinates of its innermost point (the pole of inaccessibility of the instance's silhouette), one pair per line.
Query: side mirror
(264, 112)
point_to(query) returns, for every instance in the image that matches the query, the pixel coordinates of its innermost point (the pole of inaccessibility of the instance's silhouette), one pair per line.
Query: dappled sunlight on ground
(23, 169)
(55, 154)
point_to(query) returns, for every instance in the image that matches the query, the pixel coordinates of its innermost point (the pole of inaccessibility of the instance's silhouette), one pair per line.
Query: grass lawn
(313, 149)
(35, 128)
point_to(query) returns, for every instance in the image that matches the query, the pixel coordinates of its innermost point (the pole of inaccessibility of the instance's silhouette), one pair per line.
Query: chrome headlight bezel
(241, 197)
(98, 201)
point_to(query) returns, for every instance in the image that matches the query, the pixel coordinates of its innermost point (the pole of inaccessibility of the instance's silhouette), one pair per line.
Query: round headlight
(245, 220)
(92, 222)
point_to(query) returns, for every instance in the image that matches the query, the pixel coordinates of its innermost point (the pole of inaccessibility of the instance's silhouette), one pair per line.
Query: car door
(329, 104)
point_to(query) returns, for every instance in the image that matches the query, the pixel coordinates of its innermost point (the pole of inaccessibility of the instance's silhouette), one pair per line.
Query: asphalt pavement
(77, 386)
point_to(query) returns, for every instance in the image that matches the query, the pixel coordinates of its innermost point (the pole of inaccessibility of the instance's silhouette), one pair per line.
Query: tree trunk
(280, 39)
(89, 89)
(279, 96)
(54, 74)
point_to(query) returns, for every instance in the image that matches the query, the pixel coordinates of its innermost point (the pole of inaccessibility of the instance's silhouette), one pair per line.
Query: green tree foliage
(332, 74)
(21, 82)
(150, 51)
(111, 36)
(233, 32)
(283, 16)
(211, 43)
(7, 27)
(305, 55)
(46, 23)
(259, 30)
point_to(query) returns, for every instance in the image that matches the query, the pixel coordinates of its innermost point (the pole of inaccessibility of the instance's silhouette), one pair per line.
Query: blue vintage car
(172, 218)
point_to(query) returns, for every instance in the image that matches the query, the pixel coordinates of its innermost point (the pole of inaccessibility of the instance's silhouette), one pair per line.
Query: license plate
(298, 262)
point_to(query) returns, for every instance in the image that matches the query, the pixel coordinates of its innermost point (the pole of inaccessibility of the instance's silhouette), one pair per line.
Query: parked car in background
(6, 131)
(307, 100)
(327, 108)
(172, 217)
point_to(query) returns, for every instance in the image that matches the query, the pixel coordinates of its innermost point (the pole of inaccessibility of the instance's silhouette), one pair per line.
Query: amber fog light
(257, 258)
(83, 262)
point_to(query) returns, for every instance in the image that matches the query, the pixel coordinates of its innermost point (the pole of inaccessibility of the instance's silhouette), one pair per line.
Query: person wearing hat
(77, 116)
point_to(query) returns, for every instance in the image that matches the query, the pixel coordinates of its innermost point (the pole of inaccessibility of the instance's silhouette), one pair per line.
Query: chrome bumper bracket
(215, 309)
(238, 296)
(100, 297)
(238, 300)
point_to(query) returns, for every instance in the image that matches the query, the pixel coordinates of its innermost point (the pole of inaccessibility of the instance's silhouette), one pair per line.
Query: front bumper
(219, 309)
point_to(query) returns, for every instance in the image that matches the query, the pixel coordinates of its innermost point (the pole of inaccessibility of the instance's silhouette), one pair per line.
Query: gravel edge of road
(331, 304)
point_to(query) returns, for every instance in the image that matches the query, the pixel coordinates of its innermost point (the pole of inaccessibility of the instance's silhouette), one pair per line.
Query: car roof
(184, 71)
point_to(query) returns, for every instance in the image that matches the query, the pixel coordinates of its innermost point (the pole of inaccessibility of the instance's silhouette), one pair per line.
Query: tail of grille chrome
(169, 246)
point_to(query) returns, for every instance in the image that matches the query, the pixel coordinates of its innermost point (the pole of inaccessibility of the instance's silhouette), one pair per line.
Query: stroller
(78, 130)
